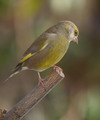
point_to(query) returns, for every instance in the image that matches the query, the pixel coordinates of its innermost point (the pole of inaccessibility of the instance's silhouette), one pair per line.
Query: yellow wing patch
(26, 57)
(43, 47)
(30, 54)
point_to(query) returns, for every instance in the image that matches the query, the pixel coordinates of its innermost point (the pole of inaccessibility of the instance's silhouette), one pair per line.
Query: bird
(48, 49)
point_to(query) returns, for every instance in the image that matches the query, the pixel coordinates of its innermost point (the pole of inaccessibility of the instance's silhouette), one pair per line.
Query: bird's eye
(75, 33)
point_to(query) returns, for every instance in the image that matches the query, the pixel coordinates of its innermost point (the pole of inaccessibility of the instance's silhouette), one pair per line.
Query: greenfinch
(48, 49)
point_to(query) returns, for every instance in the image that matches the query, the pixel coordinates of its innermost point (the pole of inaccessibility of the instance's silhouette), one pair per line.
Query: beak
(75, 40)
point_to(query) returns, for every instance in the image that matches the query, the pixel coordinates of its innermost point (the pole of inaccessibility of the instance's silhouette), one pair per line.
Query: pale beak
(75, 40)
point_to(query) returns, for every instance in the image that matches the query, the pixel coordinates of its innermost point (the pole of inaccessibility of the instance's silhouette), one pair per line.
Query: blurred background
(77, 97)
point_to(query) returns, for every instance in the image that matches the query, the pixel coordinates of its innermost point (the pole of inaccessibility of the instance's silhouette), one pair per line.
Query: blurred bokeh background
(78, 96)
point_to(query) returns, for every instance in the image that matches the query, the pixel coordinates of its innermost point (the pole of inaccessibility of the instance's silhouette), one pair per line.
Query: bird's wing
(38, 45)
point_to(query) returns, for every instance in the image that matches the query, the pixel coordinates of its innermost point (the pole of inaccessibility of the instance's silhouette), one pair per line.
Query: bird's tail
(14, 72)
(17, 69)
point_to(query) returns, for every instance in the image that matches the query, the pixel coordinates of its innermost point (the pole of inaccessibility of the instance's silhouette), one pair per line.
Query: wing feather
(31, 54)
(37, 46)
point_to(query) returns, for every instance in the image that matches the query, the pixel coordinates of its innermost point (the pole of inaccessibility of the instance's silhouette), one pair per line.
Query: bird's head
(70, 30)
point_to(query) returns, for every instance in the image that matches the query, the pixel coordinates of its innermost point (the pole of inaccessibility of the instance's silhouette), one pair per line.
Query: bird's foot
(40, 81)
(57, 68)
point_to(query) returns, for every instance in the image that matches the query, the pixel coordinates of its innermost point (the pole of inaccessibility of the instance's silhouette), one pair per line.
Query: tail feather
(17, 69)
(14, 72)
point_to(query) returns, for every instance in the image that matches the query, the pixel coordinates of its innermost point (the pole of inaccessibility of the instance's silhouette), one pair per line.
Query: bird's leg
(40, 80)
(56, 67)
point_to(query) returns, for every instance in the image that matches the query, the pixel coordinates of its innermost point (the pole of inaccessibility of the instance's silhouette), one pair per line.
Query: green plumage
(48, 48)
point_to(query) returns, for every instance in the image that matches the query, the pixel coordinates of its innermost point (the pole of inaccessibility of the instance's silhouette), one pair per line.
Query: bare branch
(34, 97)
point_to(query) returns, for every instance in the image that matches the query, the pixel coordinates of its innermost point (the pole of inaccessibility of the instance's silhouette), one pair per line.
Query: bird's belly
(47, 57)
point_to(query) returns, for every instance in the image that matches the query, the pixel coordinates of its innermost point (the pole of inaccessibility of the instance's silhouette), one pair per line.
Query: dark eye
(75, 33)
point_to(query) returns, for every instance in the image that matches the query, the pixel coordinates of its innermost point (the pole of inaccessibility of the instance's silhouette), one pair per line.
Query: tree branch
(34, 97)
